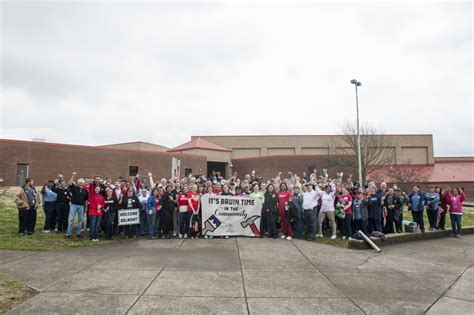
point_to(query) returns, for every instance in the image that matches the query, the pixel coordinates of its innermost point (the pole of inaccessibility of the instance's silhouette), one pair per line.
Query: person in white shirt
(310, 203)
(327, 211)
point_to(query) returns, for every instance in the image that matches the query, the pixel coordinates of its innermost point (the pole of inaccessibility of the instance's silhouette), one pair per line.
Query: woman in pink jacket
(454, 199)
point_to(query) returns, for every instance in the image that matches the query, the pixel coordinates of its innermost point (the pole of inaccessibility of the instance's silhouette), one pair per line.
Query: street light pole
(357, 83)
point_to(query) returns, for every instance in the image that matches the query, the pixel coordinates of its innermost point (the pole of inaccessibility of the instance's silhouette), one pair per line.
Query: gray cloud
(160, 72)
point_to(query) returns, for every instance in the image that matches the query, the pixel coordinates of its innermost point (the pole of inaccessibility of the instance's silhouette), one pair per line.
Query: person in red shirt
(193, 209)
(345, 200)
(284, 198)
(96, 206)
(184, 215)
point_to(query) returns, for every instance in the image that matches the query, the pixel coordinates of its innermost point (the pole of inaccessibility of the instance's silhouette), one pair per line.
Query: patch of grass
(10, 239)
(12, 293)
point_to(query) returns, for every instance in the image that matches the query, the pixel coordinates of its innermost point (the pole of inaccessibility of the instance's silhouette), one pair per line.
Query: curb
(398, 238)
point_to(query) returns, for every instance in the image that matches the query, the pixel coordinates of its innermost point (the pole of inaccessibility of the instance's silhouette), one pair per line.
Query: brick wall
(47, 160)
(269, 166)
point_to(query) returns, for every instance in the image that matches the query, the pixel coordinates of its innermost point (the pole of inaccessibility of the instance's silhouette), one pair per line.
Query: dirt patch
(13, 293)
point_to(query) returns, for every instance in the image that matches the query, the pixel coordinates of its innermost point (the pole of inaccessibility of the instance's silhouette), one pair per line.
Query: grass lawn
(12, 293)
(10, 239)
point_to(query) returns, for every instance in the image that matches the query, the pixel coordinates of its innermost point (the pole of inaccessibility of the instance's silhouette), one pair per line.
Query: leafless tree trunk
(376, 147)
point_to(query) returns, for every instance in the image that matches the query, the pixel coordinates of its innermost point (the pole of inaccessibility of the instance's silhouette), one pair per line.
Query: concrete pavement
(243, 275)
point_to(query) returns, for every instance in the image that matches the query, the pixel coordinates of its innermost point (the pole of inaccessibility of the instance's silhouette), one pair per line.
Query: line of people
(292, 206)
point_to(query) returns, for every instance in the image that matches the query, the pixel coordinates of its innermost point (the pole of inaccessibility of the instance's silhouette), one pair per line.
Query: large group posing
(293, 206)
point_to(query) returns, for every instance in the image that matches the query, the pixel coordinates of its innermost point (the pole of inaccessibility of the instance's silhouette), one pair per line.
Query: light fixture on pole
(359, 159)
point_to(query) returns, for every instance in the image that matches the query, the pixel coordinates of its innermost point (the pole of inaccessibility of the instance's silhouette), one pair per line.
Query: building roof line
(100, 148)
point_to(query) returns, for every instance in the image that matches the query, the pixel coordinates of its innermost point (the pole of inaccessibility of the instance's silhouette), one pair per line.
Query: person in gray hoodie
(296, 211)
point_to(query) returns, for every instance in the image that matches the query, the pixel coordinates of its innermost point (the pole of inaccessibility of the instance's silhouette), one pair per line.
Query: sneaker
(289, 238)
(458, 235)
(283, 237)
(349, 238)
(30, 233)
(310, 239)
(319, 235)
(95, 240)
(333, 237)
(68, 236)
(343, 237)
(185, 235)
(227, 237)
(211, 237)
(46, 231)
(21, 234)
(180, 235)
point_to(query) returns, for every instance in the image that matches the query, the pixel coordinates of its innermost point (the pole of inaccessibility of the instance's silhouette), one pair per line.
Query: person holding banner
(226, 191)
(152, 208)
(256, 193)
(193, 203)
(130, 201)
(96, 206)
(284, 198)
(269, 213)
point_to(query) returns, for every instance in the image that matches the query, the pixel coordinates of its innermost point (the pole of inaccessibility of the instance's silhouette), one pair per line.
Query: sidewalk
(244, 275)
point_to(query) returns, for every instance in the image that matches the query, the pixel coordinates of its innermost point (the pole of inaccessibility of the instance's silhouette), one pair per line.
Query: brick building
(265, 154)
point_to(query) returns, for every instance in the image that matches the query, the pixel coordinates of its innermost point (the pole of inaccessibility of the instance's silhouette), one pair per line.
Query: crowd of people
(293, 206)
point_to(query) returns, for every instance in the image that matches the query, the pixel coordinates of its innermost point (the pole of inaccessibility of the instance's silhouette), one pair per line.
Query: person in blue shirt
(416, 203)
(432, 203)
(49, 207)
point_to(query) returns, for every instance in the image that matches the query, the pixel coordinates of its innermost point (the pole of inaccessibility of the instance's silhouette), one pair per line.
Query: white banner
(233, 216)
(128, 216)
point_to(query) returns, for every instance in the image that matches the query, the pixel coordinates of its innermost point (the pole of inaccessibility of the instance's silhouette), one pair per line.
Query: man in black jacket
(79, 198)
(62, 204)
(166, 213)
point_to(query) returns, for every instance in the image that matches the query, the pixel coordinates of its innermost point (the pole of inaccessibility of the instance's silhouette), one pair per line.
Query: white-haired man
(79, 196)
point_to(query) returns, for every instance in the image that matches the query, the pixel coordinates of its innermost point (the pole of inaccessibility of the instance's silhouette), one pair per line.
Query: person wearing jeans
(79, 197)
(416, 202)
(454, 199)
(152, 207)
(184, 215)
(309, 205)
(96, 207)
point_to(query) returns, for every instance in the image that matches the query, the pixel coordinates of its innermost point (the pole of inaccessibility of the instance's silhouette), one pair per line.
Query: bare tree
(376, 147)
(406, 175)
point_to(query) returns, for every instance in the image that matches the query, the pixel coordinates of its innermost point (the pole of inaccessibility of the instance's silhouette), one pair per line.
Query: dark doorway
(216, 166)
(21, 174)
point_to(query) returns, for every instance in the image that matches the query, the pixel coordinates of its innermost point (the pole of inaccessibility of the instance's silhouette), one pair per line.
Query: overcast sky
(87, 73)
